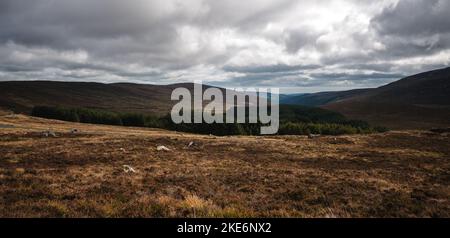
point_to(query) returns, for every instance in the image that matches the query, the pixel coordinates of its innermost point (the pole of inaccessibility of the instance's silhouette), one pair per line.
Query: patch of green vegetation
(294, 120)
(95, 116)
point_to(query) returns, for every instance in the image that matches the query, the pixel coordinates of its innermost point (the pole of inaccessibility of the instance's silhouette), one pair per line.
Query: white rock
(49, 133)
(312, 136)
(128, 169)
(162, 148)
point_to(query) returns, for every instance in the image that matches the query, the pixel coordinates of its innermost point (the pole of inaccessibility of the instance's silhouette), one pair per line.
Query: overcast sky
(302, 46)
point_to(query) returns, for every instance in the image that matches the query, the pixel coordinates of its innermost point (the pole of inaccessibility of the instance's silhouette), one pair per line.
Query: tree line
(294, 120)
(96, 116)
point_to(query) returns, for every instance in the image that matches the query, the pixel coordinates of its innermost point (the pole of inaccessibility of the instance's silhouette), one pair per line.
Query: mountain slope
(418, 101)
(22, 96)
(322, 98)
(429, 88)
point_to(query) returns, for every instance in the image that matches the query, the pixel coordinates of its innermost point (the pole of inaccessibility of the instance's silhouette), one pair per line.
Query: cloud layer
(301, 45)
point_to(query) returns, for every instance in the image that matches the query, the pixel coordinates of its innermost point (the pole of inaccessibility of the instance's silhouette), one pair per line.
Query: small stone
(162, 148)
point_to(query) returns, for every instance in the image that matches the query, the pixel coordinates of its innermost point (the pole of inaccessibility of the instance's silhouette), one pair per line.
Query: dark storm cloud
(414, 18)
(234, 42)
(304, 79)
(369, 80)
(414, 27)
(104, 28)
(16, 68)
(353, 77)
(269, 68)
(298, 39)
(263, 79)
(378, 67)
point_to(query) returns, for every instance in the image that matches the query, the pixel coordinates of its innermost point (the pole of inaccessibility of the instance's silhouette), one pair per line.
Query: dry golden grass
(395, 174)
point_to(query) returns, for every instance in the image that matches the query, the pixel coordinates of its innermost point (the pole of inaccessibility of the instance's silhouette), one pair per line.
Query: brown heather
(394, 174)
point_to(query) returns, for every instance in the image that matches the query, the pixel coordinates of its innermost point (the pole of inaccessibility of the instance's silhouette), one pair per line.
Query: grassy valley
(84, 174)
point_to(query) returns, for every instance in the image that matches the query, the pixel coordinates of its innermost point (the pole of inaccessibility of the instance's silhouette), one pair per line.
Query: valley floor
(394, 174)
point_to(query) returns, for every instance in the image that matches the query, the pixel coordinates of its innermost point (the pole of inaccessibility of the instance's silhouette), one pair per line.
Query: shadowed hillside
(418, 101)
(22, 96)
(322, 98)
(122, 97)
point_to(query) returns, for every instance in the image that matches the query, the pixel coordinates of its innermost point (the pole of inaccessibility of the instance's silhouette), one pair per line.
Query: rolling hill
(124, 97)
(416, 102)
(321, 98)
(22, 96)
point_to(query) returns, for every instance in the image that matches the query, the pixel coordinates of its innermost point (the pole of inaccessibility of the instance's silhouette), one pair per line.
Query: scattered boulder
(312, 136)
(128, 169)
(49, 133)
(12, 116)
(162, 148)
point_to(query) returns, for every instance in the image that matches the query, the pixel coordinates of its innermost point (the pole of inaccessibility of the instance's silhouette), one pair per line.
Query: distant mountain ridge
(431, 87)
(418, 101)
(321, 98)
